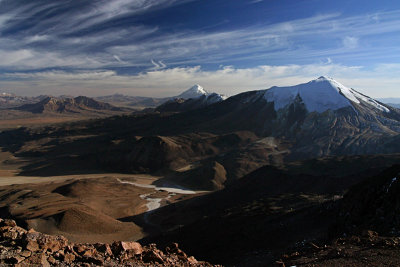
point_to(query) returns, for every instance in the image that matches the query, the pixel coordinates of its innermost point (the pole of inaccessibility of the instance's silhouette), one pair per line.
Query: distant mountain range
(232, 137)
(321, 117)
(138, 102)
(141, 102)
(193, 98)
(78, 104)
(394, 102)
(8, 100)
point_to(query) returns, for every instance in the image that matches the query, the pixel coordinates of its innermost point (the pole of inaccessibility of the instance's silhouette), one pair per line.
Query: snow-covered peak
(6, 95)
(320, 95)
(193, 92)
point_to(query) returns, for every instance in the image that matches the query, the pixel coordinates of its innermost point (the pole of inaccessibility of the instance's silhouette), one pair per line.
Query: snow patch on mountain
(319, 95)
(215, 98)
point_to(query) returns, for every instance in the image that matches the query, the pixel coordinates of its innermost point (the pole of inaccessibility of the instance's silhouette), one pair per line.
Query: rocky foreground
(20, 247)
(368, 249)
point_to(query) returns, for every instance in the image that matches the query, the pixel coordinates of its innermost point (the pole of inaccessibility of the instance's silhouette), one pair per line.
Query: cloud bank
(227, 80)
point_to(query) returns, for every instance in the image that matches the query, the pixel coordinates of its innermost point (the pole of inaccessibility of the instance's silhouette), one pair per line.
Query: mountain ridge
(67, 105)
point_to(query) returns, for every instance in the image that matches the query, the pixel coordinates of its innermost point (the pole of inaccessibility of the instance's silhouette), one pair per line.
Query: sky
(161, 47)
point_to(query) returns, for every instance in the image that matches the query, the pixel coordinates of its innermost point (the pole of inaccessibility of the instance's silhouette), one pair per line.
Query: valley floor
(96, 207)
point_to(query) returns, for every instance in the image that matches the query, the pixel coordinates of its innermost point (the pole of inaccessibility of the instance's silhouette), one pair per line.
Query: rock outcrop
(27, 248)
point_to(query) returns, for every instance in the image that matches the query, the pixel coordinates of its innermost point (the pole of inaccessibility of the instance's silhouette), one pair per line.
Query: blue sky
(161, 47)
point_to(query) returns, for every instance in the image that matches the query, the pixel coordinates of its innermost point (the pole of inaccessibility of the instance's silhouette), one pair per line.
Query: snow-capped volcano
(320, 95)
(193, 92)
(181, 104)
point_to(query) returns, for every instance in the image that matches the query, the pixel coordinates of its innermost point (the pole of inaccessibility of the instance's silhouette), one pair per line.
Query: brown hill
(78, 104)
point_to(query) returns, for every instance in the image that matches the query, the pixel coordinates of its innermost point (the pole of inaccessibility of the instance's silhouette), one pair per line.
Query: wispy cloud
(102, 37)
(157, 65)
(255, 1)
(118, 59)
(140, 43)
(350, 42)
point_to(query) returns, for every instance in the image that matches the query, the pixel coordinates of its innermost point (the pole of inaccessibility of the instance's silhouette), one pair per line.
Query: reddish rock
(32, 245)
(42, 250)
(51, 260)
(10, 235)
(132, 246)
(152, 255)
(46, 242)
(192, 260)
(26, 253)
(60, 253)
(15, 259)
(80, 248)
(8, 222)
(4, 229)
(121, 247)
(95, 260)
(68, 258)
(173, 248)
(38, 259)
(90, 252)
(103, 248)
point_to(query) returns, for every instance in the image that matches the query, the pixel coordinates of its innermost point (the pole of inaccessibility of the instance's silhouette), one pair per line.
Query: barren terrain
(225, 191)
(83, 207)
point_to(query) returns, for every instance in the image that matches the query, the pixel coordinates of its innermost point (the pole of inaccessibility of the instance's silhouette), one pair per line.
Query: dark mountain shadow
(256, 218)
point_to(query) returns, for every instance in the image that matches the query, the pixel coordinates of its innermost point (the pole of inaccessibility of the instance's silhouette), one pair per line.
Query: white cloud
(63, 76)
(281, 42)
(37, 38)
(31, 59)
(229, 80)
(350, 42)
(143, 46)
(157, 65)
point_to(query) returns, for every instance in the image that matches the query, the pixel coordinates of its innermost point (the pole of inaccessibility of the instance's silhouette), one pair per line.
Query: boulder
(153, 256)
(103, 248)
(80, 248)
(68, 258)
(25, 253)
(120, 247)
(45, 242)
(15, 259)
(32, 245)
(9, 222)
(174, 249)
(37, 259)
